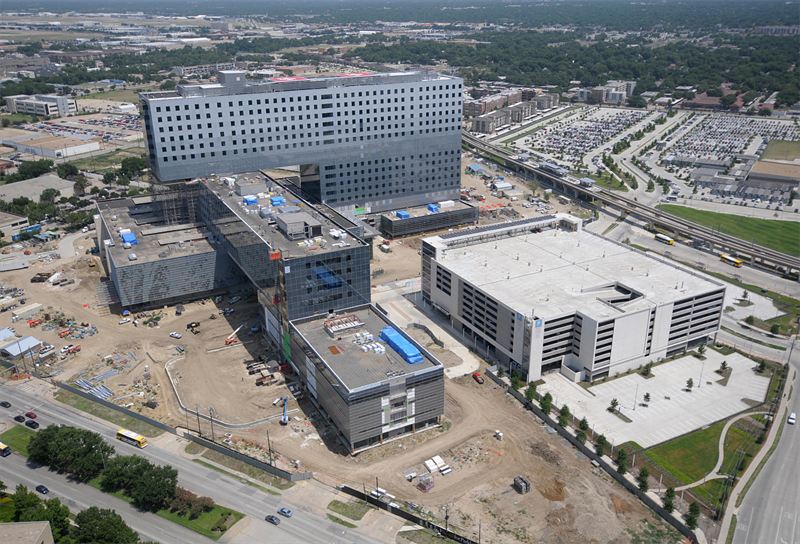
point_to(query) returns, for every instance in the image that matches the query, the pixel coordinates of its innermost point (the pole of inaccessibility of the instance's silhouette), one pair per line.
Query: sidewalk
(753, 466)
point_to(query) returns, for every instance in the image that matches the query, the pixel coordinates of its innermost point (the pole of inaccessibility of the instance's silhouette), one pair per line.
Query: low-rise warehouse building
(373, 381)
(11, 225)
(541, 294)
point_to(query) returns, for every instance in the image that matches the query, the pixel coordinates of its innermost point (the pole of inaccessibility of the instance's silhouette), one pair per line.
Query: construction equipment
(193, 327)
(34, 322)
(64, 333)
(231, 339)
(285, 416)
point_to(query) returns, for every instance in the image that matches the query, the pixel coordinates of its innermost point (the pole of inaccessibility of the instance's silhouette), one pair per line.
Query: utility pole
(269, 450)
(211, 416)
(197, 413)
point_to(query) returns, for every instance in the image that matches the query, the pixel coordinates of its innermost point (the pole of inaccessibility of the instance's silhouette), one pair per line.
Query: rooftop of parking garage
(556, 272)
(155, 238)
(261, 217)
(358, 368)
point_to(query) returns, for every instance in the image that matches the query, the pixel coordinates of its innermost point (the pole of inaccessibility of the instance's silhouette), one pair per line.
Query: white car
(792, 419)
(176, 335)
(124, 321)
(67, 348)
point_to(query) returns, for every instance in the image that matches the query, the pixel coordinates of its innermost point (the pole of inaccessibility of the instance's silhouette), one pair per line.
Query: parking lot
(672, 410)
(720, 137)
(105, 127)
(572, 138)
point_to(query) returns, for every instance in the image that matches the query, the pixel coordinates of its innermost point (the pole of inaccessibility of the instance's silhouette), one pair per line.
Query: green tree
(750, 319)
(122, 472)
(132, 166)
(155, 488)
(563, 415)
(103, 526)
(689, 384)
(530, 391)
(600, 444)
(53, 511)
(622, 461)
(80, 185)
(546, 403)
(775, 328)
(24, 501)
(66, 170)
(693, 515)
(641, 479)
(613, 405)
(49, 195)
(581, 436)
(669, 499)
(583, 425)
(78, 452)
(701, 349)
(762, 366)
(167, 85)
(109, 177)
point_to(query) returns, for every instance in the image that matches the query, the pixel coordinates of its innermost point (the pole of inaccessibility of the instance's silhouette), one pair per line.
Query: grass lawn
(194, 448)
(202, 524)
(691, 456)
(647, 533)
(119, 95)
(118, 418)
(783, 236)
(234, 476)
(6, 510)
(421, 536)
(18, 118)
(107, 161)
(354, 510)
(18, 438)
(248, 470)
(340, 521)
(608, 182)
(782, 150)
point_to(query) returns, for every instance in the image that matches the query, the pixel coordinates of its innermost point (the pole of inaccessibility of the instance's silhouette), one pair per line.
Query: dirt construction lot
(569, 502)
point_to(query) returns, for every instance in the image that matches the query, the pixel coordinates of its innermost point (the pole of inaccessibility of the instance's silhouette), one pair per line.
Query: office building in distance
(43, 105)
(368, 142)
(541, 294)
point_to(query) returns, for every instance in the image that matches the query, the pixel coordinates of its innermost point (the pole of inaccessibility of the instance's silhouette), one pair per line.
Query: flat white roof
(558, 272)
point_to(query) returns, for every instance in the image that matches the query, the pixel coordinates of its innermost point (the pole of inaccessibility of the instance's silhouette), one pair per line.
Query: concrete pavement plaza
(671, 411)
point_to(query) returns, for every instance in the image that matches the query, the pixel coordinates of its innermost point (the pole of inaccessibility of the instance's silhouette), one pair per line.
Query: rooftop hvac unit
(132, 256)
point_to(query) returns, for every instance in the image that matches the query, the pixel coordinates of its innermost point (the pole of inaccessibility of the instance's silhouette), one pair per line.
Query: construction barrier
(408, 516)
(266, 467)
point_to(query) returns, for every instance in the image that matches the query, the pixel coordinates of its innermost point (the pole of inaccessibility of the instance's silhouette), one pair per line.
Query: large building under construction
(542, 294)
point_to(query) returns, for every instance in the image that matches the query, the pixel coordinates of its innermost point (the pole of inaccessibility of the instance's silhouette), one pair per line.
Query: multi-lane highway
(306, 526)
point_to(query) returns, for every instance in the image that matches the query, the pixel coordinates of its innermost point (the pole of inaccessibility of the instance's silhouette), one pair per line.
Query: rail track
(760, 255)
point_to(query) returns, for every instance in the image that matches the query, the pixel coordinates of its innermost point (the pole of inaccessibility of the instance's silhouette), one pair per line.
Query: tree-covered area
(93, 525)
(751, 63)
(612, 14)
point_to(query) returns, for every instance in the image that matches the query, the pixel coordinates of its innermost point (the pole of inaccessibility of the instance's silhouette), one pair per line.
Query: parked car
(285, 512)
(31, 424)
(19, 419)
(273, 519)
(66, 348)
(31, 415)
(176, 335)
(42, 489)
(124, 321)
(792, 419)
(477, 377)
(5, 404)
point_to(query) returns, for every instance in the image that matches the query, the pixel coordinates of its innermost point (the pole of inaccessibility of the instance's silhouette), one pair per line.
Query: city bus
(733, 261)
(665, 239)
(5, 451)
(131, 438)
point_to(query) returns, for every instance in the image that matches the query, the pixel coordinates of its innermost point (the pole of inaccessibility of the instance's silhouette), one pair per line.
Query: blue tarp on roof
(250, 200)
(277, 200)
(402, 214)
(406, 349)
(129, 237)
(475, 167)
(23, 345)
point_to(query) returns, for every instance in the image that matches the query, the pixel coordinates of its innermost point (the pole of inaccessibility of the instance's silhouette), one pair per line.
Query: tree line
(92, 526)
(84, 456)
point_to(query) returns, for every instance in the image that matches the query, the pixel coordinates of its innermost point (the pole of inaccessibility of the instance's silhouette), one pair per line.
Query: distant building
(203, 70)
(613, 92)
(11, 224)
(44, 105)
(26, 532)
(490, 122)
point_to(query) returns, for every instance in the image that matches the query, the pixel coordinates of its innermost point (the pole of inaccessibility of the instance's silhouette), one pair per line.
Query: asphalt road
(770, 512)
(14, 470)
(305, 527)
